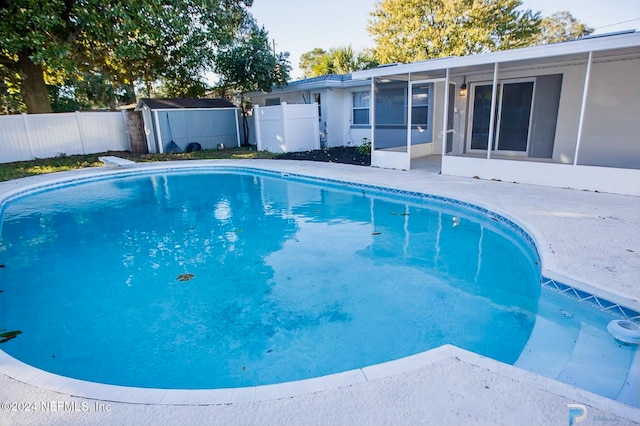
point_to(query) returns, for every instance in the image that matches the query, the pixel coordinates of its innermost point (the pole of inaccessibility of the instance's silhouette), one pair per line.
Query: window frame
(355, 108)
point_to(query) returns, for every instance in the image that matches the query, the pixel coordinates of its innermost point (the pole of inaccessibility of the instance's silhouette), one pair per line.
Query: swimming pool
(273, 277)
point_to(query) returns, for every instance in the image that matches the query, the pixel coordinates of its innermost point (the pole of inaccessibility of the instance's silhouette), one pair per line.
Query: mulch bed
(342, 154)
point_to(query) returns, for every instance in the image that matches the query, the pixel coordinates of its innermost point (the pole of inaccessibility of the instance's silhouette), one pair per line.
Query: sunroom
(561, 115)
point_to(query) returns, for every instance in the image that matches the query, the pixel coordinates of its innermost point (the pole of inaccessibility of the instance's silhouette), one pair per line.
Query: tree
(561, 26)
(339, 60)
(50, 41)
(89, 91)
(415, 30)
(249, 65)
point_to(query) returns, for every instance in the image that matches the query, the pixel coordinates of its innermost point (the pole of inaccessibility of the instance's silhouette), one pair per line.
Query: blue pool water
(225, 278)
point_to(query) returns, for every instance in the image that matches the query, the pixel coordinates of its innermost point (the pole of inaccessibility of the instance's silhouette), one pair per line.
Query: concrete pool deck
(588, 237)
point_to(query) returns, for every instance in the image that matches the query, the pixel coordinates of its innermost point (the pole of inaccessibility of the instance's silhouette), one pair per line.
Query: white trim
(409, 111)
(191, 109)
(492, 118)
(372, 117)
(585, 93)
(238, 128)
(445, 115)
(527, 53)
(158, 138)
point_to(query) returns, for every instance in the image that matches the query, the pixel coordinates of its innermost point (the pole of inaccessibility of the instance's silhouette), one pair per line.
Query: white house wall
(611, 132)
(334, 115)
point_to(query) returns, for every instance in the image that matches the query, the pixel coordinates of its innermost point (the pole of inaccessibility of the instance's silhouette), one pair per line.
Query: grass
(22, 169)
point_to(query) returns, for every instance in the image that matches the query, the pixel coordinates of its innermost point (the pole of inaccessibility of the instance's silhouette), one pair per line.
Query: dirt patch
(342, 154)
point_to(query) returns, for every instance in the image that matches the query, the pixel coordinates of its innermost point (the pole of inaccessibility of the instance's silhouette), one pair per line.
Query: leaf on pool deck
(376, 233)
(5, 337)
(184, 277)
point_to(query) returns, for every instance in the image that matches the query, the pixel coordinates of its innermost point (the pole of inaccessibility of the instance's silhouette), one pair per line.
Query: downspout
(585, 92)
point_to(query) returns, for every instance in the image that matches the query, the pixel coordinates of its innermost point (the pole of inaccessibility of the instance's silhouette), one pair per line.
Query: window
(360, 116)
(271, 101)
(420, 106)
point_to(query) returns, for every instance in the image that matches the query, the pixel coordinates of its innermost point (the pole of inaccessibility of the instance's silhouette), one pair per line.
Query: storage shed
(180, 123)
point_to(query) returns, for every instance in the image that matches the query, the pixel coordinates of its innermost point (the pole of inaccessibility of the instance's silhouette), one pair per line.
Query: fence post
(26, 131)
(285, 139)
(84, 151)
(256, 124)
(127, 134)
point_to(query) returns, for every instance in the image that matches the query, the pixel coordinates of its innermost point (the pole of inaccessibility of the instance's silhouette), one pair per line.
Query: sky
(298, 26)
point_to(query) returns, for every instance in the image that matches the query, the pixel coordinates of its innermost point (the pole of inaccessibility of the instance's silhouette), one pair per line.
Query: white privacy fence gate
(29, 136)
(287, 128)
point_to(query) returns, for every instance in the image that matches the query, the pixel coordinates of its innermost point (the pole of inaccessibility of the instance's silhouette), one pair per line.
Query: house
(565, 114)
(334, 95)
(208, 122)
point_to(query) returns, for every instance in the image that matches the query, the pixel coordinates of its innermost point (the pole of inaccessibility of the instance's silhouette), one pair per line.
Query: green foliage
(248, 64)
(561, 26)
(89, 91)
(365, 147)
(136, 40)
(415, 30)
(339, 60)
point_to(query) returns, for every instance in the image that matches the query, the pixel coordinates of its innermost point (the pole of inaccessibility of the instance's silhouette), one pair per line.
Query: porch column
(585, 92)
(409, 115)
(445, 119)
(492, 120)
(372, 114)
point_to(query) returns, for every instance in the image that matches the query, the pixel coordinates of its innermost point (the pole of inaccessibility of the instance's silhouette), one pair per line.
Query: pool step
(596, 366)
(548, 349)
(630, 392)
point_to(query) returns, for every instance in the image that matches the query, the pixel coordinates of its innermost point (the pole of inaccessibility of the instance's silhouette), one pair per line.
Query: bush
(365, 147)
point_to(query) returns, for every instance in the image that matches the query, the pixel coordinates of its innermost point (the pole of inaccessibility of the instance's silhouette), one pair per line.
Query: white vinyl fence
(31, 136)
(287, 128)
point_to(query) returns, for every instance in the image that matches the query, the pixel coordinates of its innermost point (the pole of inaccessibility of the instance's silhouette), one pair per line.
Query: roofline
(586, 45)
(185, 109)
(312, 84)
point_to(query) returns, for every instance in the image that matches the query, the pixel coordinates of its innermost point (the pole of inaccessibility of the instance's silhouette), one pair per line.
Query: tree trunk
(34, 90)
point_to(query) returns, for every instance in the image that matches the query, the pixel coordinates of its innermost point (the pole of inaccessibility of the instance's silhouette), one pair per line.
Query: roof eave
(526, 53)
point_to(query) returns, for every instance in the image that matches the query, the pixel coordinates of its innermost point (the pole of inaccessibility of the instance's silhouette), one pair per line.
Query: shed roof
(176, 103)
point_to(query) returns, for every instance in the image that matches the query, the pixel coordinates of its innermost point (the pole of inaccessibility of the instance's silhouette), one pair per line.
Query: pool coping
(613, 302)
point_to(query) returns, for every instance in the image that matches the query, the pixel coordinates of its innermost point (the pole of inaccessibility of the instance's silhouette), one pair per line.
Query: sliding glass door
(512, 119)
